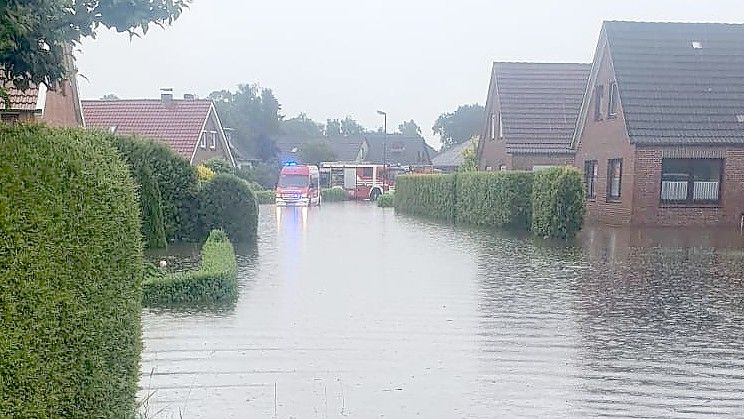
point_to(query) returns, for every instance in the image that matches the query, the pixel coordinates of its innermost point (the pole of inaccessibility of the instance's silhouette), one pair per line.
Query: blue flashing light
(290, 163)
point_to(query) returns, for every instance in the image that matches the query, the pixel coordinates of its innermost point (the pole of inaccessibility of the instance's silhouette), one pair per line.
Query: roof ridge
(672, 23)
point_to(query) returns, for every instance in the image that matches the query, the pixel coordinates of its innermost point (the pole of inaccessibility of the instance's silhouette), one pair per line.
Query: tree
(410, 129)
(470, 157)
(458, 126)
(36, 35)
(301, 127)
(333, 127)
(349, 126)
(316, 152)
(254, 115)
(110, 96)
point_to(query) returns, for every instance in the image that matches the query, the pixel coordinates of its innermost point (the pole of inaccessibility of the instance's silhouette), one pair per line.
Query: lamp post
(384, 147)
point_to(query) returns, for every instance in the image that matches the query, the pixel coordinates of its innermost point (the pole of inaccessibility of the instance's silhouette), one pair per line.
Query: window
(614, 98)
(614, 178)
(598, 95)
(501, 126)
(203, 142)
(688, 181)
(697, 45)
(213, 140)
(367, 172)
(9, 117)
(494, 125)
(502, 168)
(591, 170)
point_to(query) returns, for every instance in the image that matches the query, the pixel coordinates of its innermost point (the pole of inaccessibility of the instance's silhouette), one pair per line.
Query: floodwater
(350, 310)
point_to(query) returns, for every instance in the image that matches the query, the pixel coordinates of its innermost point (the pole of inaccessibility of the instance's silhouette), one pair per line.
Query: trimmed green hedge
(550, 201)
(334, 194)
(426, 195)
(215, 281)
(494, 199)
(175, 179)
(386, 200)
(265, 197)
(227, 203)
(558, 204)
(71, 272)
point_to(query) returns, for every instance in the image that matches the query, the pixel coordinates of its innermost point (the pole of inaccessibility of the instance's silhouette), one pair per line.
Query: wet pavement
(350, 310)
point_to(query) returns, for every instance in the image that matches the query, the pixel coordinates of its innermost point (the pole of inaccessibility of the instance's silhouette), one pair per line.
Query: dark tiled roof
(401, 150)
(539, 104)
(345, 148)
(672, 93)
(452, 157)
(178, 123)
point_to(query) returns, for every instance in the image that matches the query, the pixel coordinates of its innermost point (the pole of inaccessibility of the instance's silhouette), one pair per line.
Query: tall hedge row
(70, 276)
(227, 203)
(550, 202)
(495, 199)
(558, 202)
(426, 195)
(176, 181)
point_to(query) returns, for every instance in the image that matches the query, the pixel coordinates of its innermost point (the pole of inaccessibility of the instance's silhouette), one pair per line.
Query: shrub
(386, 200)
(151, 204)
(71, 269)
(426, 195)
(558, 202)
(215, 281)
(265, 197)
(265, 174)
(334, 194)
(176, 180)
(227, 203)
(204, 173)
(218, 165)
(494, 199)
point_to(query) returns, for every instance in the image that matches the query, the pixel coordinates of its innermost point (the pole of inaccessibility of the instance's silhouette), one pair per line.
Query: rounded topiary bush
(226, 202)
(70, 276)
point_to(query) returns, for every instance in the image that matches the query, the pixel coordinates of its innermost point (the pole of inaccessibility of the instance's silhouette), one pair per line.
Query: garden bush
(176, 180)
(151, 204)
(426, 195)
(334, 194)
(70, 276)
(215, 281)
(265, 197)
(558, 205)
(219, 165)
(265, 174)
(501, 199)
(227, 203)
(386, 200)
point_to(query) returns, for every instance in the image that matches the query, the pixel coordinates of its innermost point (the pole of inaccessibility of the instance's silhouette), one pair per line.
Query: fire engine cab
(299, 185)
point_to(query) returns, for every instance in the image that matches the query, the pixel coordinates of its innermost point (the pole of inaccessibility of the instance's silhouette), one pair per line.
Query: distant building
(450, 160)
(530, 115)
(398, 150)
(189, 126)
(345, 149)
(661, 131)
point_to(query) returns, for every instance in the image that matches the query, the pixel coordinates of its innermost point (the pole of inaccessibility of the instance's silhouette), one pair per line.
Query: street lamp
(384, 147)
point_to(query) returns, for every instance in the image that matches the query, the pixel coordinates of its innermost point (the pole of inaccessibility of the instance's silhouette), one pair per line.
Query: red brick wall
(650, 211)
(61, 107)
(527, 161)
(602, 140)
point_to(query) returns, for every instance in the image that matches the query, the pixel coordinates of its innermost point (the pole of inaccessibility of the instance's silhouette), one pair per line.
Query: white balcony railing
(705, 191)
(673, 190)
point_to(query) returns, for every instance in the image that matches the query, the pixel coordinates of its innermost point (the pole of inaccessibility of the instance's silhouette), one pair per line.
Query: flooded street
(351, 310)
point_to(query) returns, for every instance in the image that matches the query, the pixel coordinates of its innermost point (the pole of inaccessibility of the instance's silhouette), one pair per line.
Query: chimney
(166, 95)
(189, 96)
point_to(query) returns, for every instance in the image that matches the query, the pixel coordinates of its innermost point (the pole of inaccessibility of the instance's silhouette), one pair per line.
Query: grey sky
(329, 58)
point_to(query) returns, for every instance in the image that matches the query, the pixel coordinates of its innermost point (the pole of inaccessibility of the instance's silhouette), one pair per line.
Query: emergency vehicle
(298, 185)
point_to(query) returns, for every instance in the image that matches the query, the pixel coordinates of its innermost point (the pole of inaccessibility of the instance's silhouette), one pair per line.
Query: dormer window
(697, 45)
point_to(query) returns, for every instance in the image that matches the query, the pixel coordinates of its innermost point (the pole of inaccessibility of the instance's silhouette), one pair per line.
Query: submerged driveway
(351, 310)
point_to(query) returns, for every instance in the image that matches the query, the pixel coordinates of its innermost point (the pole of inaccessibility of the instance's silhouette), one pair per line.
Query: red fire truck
(359, 180)
(298, 185)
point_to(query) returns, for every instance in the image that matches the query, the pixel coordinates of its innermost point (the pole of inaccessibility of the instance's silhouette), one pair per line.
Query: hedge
(558, 204)
(71, 269)
(386, 200)
(426, 195)
(550, 202)
(215, 281)
(265, 197)
(501, 199)
(334, 194)
(227, 203)
(176, 180)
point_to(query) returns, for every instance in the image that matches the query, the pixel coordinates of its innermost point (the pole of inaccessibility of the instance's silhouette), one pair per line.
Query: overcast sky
(329, 58)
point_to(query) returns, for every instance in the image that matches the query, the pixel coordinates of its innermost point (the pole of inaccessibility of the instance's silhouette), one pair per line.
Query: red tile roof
(22, 100)
(177, 123)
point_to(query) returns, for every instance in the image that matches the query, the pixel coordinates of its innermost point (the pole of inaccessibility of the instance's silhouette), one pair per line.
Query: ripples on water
(351, 310)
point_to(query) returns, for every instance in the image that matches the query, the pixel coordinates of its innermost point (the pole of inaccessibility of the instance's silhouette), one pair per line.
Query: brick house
(189, 126)
(530, 115)
(660, 136)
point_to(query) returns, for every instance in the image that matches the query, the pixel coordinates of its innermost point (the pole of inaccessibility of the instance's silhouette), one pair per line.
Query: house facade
(398, 150)
(660, 137)
(189, 126)
(530, 115)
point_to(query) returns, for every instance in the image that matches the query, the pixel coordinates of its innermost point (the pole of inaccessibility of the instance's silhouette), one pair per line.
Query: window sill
(689, 205)
(614, 200)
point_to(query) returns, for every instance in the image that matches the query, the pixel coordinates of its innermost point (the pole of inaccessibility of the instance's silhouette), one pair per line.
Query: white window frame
(612, 103)
(212, 140)
(203, 140)
(493, 126)
(501, 126)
